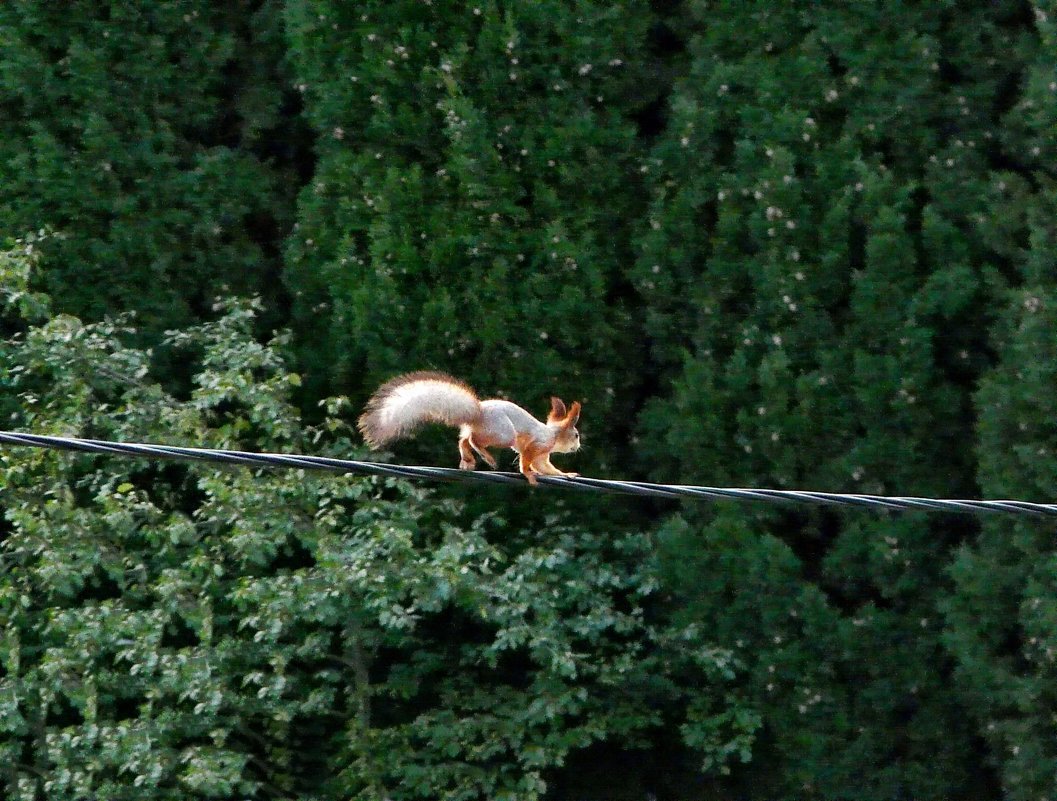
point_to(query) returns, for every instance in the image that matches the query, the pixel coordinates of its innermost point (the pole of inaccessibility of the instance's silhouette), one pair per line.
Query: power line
(279, 460)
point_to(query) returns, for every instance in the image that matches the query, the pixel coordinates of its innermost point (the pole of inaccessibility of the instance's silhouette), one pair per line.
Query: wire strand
(642, 489)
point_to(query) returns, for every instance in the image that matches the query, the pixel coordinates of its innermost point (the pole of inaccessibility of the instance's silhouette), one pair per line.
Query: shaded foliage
(155, 138)
(788, 245)
(191, 631)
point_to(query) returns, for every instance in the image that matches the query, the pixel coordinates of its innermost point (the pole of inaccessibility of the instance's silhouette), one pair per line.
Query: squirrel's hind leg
(483, 453)
(467, 461)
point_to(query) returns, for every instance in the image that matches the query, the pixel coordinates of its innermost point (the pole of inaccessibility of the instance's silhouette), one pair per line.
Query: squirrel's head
(563, 421)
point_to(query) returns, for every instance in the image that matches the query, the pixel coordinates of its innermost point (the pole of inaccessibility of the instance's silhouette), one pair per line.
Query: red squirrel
(405, 402)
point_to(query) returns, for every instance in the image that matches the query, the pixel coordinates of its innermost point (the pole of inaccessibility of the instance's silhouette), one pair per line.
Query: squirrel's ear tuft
(557, 409)
(574, 414)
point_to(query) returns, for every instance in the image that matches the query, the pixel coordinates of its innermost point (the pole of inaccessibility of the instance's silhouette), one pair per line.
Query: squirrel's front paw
(467, 464)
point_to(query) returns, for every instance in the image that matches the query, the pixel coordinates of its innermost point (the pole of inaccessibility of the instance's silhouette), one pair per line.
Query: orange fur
(407, 401)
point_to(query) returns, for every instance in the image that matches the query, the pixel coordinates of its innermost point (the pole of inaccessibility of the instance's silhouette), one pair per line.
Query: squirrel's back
(407, 401)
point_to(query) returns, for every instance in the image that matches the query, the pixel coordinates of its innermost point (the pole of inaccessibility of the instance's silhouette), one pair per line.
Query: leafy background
(799, 245)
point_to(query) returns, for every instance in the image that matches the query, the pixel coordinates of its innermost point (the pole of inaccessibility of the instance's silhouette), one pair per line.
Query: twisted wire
(640, 488)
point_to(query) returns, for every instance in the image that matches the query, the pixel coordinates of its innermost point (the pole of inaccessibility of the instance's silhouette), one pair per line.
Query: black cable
(278, 460)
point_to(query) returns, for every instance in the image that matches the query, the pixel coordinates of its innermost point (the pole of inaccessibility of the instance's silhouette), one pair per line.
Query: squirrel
(403, 403)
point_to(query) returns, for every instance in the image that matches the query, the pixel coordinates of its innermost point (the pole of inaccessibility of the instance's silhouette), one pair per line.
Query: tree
(155, 139)
(478, 170)
(819, 278)
(186, 631)
(1001, 618)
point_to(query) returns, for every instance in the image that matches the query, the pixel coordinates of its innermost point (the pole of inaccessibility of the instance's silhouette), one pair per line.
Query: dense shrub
(183, 632)
(792, 245)
(154, 137)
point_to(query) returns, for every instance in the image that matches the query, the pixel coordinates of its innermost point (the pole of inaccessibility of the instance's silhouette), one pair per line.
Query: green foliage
(470, 210)
(1002, 617)
(184, 632)
(142, 133)
(770, 244)
(820, 270)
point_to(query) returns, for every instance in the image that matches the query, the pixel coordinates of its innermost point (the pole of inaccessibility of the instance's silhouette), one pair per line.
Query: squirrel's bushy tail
(405, 402)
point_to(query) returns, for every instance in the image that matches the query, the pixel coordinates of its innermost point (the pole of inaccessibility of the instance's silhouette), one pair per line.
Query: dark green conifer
(152, 138)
